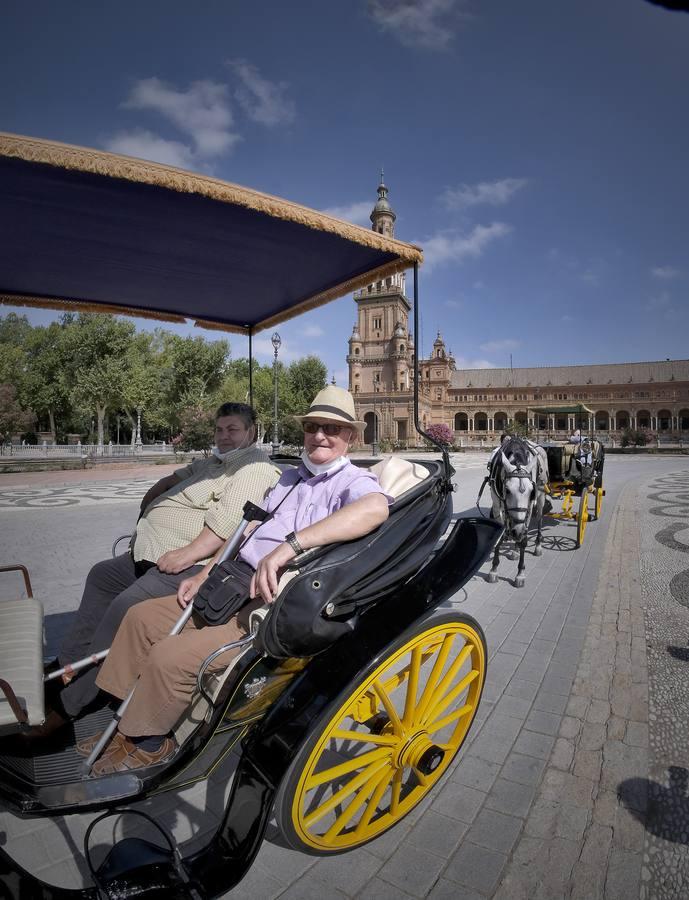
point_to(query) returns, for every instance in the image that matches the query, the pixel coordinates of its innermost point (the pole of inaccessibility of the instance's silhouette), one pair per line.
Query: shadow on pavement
(663, 811)
(681, 653)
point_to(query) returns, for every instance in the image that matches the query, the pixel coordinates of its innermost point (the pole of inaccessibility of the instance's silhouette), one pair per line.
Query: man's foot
(127, 755)
(85, 747)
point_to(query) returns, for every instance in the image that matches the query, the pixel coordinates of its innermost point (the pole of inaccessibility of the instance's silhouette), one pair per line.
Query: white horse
(518, 475)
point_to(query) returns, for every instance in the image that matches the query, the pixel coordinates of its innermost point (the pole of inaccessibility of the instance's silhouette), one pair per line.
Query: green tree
(13, 419)
(98, 345)
(14, 334)
(192, 370)
(142, 386)
(305, 377)
(45, 386)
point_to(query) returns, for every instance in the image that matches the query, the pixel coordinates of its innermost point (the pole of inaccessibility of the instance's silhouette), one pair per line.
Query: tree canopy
(95, 376)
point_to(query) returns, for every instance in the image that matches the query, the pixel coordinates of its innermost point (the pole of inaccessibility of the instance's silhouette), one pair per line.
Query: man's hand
(175, 561)
(189, 588)
(264, 582)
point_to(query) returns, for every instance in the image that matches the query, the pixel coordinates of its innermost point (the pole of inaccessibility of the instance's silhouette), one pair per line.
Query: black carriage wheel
(384, 742)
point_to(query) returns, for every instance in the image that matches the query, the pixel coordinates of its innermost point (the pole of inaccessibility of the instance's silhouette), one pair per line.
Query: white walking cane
(252, 513)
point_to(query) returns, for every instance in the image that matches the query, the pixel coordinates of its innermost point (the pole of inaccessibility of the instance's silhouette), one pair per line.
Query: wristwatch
(291, 539)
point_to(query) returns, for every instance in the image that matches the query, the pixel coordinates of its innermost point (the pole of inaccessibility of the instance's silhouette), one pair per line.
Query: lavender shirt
(314, 498)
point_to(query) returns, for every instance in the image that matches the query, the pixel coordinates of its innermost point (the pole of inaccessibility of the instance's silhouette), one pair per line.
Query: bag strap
(269, 516)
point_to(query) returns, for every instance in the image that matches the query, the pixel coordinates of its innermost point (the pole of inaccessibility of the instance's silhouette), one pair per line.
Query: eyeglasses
(328, 429)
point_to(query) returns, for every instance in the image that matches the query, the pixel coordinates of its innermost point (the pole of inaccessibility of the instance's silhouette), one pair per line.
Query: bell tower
(381, 347)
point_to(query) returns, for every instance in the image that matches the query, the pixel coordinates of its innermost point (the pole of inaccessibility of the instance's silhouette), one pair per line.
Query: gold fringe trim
(98, 162)
(87, 306)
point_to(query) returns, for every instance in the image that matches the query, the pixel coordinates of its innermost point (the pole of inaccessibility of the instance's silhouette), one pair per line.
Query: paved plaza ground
(573, 782)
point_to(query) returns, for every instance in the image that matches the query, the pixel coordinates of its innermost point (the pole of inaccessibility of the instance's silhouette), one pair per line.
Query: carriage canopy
(86, 230)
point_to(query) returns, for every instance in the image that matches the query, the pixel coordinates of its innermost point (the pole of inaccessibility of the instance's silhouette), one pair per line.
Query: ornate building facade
(481, 403)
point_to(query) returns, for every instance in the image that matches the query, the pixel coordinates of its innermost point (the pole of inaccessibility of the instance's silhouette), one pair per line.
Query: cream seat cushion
(21, 660)
(397, 475)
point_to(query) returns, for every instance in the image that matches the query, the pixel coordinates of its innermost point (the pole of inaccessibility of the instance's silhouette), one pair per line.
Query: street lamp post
(275, 341)
(374, 443)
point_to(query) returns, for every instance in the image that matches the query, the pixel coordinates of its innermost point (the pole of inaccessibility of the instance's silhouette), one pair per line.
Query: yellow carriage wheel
(600, 493)
(385, 742)
(583, 516)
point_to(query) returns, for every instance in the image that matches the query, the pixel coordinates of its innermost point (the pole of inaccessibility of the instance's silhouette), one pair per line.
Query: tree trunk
(51, 416)
(100, 411)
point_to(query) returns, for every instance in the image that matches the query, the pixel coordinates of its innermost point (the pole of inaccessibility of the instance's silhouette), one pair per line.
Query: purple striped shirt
(313, 498)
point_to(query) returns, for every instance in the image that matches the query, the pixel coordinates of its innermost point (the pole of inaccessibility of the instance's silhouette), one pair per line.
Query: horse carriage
(575, 469)
(353, 691)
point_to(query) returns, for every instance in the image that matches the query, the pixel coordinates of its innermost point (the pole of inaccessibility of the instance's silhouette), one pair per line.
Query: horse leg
(493, 574)
(539, 522)
(519, 580)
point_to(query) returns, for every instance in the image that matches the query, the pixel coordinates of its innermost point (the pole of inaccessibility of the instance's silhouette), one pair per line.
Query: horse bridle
(513, 513)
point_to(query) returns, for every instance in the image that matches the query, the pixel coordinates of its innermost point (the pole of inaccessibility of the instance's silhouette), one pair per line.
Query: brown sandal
(127, 755)
(86, 746)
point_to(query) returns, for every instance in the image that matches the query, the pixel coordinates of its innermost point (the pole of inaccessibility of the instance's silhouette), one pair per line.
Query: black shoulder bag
(226, 589)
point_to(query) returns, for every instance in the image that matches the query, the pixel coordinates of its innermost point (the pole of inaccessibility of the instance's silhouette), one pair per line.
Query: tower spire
(383, 216)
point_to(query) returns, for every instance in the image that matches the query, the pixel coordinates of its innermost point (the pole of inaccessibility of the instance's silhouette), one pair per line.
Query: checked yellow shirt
(210, 492)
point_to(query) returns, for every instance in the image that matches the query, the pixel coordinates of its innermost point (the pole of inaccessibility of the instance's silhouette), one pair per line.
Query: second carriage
(575, 468)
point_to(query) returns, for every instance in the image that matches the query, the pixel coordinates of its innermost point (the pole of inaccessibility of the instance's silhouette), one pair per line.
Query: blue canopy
(91, 231)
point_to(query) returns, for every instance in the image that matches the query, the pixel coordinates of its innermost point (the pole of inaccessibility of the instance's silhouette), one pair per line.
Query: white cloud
(417, 23)
(146, 145)
(202, 112)
(262, 100)
(358, 213)
(590, 277)
(665, 272)
(453, 247)
(464, 362)
(491, 193)
(659, 301)
(313, 331)
(499, 346)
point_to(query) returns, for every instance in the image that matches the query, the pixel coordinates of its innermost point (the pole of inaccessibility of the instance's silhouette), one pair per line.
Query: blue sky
(537, 150)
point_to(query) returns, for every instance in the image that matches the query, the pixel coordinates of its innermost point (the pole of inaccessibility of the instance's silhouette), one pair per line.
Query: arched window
(664, 420)
(461, 422)
(356, 351)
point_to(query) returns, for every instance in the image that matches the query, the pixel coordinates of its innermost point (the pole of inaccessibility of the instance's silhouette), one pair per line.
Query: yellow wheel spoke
(353, 785)
(441, 723)
(412, 686)
(350, 765)
(456, 666)
(372, 805)
(366, 737)
(356, 803)
(396, 792)
(445, 701)
(438, 667)
(389, 707)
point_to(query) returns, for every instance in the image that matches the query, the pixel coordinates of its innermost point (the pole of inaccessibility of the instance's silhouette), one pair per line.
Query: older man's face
(323, 448)
(231, 433)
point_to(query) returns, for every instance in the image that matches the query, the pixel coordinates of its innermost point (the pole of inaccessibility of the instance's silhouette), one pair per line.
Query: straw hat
(334, 404)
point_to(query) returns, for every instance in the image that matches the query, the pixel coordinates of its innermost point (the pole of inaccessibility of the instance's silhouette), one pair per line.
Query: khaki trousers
(166, 665)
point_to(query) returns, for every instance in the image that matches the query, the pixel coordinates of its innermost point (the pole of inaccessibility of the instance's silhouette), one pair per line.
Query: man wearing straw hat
(324, 500)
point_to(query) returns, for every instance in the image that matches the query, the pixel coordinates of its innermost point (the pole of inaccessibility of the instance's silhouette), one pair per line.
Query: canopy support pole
(417, 349)
(251, 367)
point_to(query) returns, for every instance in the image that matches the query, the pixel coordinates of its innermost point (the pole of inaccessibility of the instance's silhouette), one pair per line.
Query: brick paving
(532, 806)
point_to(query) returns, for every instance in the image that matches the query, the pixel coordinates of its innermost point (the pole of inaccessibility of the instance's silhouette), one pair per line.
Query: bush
(197, 430)
(443, 434)
(634, 438)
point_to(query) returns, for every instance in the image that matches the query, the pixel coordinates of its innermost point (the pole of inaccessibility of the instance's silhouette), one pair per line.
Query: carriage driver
(325, 500)
(185, 517)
